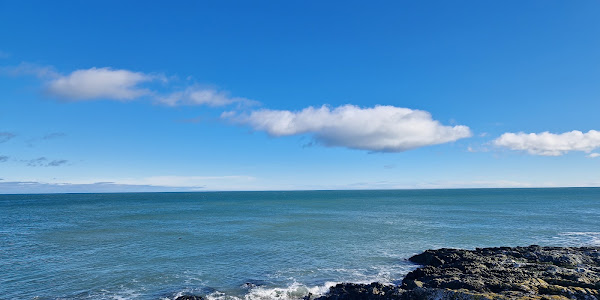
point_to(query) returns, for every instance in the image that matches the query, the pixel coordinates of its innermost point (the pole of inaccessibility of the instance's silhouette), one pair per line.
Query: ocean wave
(288, 287)
(293, 291)
(389, 274)
(577, 238)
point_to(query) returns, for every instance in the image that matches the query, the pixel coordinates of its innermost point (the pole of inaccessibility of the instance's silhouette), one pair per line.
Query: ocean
(263, 245)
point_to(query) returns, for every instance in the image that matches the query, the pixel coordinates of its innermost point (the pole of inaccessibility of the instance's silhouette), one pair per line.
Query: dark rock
(504, 272)
(532, 272)
(251, 283)
(355, 291)
(248, 285)
(189, 297)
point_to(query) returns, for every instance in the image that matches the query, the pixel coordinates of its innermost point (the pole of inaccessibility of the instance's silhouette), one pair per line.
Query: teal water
(159, 245)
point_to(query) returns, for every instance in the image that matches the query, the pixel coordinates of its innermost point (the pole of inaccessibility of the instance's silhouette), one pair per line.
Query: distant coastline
(156, 189)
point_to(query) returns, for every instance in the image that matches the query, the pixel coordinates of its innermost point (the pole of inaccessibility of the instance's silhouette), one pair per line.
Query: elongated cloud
(550, 144)
(44, 162)
(29, 69)
(203, 96)
(99, 83)
(380, 129)
(122, 85)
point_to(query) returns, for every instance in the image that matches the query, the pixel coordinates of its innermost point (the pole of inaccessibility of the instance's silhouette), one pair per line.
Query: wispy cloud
(53, 135)
(379, 129)
(550, 144)
(434, 184)
(6, 136)
(4, 158)
(182, 181)
(478, 148)
(196, 95)
(50, 136)
(36, 162)
(44, 162)
(593, 155)
(29, 69)
(56, 163)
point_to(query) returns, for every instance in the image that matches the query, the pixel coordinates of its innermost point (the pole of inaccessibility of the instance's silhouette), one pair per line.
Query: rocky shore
(490, 273)
(532, 272)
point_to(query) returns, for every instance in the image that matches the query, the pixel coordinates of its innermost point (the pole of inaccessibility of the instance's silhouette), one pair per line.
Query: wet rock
(250, 284)
(355, 291)
(532, 272)
(189, 297)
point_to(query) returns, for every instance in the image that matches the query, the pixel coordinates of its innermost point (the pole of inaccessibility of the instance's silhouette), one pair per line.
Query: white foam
(292, 292)
(220, 296)
(578, 238)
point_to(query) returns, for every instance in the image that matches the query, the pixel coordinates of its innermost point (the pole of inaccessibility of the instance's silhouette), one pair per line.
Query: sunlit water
(160, 245)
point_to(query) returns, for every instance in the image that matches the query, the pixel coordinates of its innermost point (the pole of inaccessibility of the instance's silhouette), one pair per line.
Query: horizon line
(307, 190)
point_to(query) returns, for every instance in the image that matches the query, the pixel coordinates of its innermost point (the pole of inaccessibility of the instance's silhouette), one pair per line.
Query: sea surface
(263, 245)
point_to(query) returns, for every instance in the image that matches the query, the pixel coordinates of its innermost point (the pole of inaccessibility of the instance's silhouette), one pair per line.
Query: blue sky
(277, 95)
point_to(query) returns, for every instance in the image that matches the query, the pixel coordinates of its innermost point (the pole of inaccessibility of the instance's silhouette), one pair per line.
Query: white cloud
(98, 83)
(119, 84)
(381, 128)
(195, 95)
(550, 144)
(593, 155)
